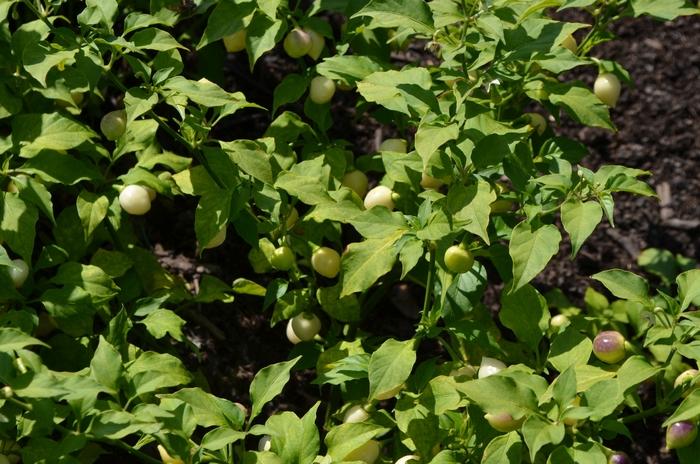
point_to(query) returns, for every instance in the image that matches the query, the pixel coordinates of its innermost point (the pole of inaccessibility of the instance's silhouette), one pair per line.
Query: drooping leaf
(531, 248)
(268, 383)
(390, 366)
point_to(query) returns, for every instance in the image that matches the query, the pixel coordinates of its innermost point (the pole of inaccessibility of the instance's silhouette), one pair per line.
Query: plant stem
(428, 289)
(658, 409)
(453, 354)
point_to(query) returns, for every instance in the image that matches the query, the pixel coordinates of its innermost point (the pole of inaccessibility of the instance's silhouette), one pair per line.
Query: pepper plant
(111, 110)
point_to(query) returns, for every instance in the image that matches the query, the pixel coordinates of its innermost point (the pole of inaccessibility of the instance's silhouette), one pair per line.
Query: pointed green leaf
(413, 14)
(525, 312)
(580, 220)
(365, 262)
(624, 284)
(106, 365)
(389, 367)
(688, 287)
(92, 209)
(268, 383)
(504, 449)
(531, 249)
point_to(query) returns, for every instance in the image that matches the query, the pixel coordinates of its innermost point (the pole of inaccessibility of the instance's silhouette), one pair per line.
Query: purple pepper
(681, 434)
(619, 457)
(609, 346)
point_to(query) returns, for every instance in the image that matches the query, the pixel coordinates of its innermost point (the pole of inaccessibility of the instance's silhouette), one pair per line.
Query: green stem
(658, 409)
(38, 13)
(453, 354)
(428, 289)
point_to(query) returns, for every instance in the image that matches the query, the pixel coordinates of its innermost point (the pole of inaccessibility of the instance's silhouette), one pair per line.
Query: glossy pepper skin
(609, 346)
(681, 434)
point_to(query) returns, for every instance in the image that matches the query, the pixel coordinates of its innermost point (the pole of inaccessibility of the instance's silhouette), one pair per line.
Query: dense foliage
(106, 108)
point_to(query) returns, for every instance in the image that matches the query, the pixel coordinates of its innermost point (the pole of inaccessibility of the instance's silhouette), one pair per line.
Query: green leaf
(155, 371)
(295, 440)
(580, 220)
(34, 192)
(634, 371)
(99, 12)
(212, 215)
(289, 90)
(689, 409)
(564, 388)
(603, 398)
(411, 252)
(580, 453)
(10, 104)
(531, 249)
(624, 284)
(92, 209)
(12, 339)
(39, 59)
(345, 438)
(365, 262)
(389, 367)
(308, 189)
(114, 263)
(18, 225)
(497, 394)
(251, 158)
(248, 287)
(161, 322)
(228, 16)
(666, 10)
(341, 363)
(473, 207)
(504, 449)
(72, 309)
(261, 36)
(106, 365)
(136, 20)
(492, 149)
(114, 425)
(345, 309)
(138, 101)
(688, 287)
(204, 93)
(154, 39)
(539, 433)
(221, 437)
(412, 14)
(56, 167)
(580, 103)
(268, 383)
(430, 137)
(569, 348)
(400, 91)
(377, 223)
(587, 376)
(348, 68)
(209, 410)
(92, 279)
(212, 289)
(36, 132)
(525, 312)
(441, 395)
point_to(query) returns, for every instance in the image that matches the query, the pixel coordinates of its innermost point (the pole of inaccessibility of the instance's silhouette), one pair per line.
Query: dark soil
(658, 130)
